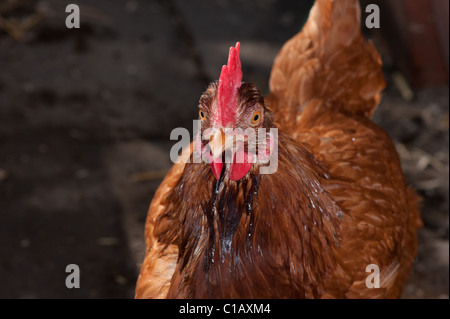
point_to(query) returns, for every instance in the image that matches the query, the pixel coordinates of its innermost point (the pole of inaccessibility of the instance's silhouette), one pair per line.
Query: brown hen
(337, 203)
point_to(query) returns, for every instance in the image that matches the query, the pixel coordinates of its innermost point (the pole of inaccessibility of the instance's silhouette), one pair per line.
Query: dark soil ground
(85, 112)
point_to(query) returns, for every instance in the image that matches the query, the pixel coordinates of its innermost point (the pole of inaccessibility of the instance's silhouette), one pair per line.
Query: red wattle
(216, 166)
(239, 170)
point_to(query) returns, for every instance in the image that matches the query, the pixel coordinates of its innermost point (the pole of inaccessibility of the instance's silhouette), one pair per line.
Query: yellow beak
(219, 143)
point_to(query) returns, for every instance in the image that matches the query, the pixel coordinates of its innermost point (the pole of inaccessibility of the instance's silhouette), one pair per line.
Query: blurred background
(86, 114)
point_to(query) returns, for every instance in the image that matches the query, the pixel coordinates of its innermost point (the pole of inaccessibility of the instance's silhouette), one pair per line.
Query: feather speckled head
(232, 112)
(229, 83)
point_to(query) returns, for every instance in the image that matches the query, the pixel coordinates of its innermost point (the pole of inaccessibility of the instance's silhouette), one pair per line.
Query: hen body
(337, 203)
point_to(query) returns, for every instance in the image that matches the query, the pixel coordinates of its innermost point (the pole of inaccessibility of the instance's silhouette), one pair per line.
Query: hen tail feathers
(328, 60)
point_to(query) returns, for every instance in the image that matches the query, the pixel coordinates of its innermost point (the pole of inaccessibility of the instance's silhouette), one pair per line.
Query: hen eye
(256, 117)
(201, 114)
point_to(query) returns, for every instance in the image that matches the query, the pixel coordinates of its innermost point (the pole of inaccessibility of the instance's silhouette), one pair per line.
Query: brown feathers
(337, 203)
(236, 236)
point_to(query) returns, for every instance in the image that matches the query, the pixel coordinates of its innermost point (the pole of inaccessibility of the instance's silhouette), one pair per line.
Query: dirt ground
(86, 113)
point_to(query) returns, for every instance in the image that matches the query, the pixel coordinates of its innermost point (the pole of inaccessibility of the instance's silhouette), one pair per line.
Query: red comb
(229, 83)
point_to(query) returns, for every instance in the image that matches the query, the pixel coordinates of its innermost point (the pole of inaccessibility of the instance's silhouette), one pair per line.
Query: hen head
(232, 114)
